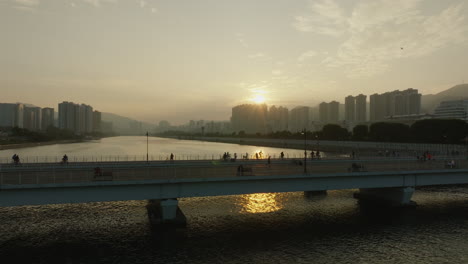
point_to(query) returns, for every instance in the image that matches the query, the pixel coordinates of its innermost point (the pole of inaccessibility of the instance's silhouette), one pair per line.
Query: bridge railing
(86, 172)
(292, 154)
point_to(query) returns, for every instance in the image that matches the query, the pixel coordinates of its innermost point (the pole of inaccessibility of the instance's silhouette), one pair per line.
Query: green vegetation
(453, 131)
(18, 135)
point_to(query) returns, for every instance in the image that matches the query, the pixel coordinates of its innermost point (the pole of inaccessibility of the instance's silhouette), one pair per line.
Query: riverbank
(338, 147)
(37, 144)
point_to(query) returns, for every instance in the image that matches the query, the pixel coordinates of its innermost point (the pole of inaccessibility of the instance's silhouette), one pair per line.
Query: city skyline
(177, 61)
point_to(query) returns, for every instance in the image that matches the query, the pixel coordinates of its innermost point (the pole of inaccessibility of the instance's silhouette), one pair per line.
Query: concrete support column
(388, 196)
(165, 212)
(169, 209)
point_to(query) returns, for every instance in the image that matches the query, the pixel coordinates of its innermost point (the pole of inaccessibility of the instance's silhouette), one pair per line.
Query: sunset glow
(259, 99)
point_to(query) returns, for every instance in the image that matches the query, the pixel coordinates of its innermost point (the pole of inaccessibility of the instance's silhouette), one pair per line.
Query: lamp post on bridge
(466, 145)
(305, 150)
(318, 145)
(147, 160)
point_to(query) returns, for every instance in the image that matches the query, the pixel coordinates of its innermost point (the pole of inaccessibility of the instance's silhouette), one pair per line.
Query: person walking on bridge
(16, 159)
(65, 159)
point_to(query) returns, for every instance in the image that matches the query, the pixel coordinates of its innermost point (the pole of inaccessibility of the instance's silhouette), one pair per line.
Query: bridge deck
(31, 174)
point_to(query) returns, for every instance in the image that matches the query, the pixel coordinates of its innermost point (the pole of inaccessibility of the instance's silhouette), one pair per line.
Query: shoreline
(334, 147)
(37, 144)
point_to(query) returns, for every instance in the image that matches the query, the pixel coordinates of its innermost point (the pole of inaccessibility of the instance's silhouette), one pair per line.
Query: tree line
(444, 131)
(18, 135)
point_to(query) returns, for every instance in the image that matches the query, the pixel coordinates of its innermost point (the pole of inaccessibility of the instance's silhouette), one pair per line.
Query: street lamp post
(147, 147)
(466, 143)
(446, 147)
(305, 150)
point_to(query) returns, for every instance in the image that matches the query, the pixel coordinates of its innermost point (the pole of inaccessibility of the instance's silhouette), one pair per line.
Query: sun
(258, 98)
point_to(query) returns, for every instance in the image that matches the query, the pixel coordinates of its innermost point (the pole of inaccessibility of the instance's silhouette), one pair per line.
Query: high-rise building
(329, 112)
(323, 112)
(278, 118)
(361, 108)
(66, 116)
(333, 112)
(396, 103)
(414, 102)
(47, 118)
(87, 125)
(32, 118)
(97, 121)
(250, 118)
(75, 117)
(350, 109)
(11, 115)
(299, 119)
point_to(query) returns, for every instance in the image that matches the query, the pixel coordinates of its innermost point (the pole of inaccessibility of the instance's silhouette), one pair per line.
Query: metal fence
(131, 171)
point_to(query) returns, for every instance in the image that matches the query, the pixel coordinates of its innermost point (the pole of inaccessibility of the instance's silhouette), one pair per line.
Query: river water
(257, 228)
(134, 148)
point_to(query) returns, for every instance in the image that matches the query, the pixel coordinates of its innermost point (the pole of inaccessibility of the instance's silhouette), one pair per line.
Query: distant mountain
(430, 101)
(127, 126)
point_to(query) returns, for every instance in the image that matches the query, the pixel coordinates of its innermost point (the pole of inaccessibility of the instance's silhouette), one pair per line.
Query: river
(256, 228)
(135, 147)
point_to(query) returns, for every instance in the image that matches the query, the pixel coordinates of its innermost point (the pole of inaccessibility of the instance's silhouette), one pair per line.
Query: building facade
(278, 118)
(457, 109)
(47, 118)
(361, 108)
(350, 109)
(11, 115)
(396, 103)
(32, 117)
(250, 118)
(333, 112)
(75, 117)
(299, 119)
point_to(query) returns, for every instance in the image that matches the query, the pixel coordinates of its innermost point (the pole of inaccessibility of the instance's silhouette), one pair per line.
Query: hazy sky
(195, 59)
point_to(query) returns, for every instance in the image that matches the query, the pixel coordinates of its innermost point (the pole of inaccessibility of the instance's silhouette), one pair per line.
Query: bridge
(386, 180)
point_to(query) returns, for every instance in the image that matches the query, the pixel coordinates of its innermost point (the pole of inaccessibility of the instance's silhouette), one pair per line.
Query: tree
(439, 131)
(360, 132)
(334, 132)
(389, 132)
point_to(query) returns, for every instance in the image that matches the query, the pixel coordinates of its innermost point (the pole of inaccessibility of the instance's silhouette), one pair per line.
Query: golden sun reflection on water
(260, 203)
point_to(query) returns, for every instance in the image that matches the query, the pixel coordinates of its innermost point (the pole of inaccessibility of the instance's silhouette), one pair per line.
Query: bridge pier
(313, 194)
(399, 196)
(166, 212)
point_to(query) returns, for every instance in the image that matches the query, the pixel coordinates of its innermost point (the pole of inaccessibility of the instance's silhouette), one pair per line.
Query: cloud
(98, 3)
(27, 2)
(307, 55)
(257, 55)
(26, 5)
(377, 32)
(326, 18)
(241, 39)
